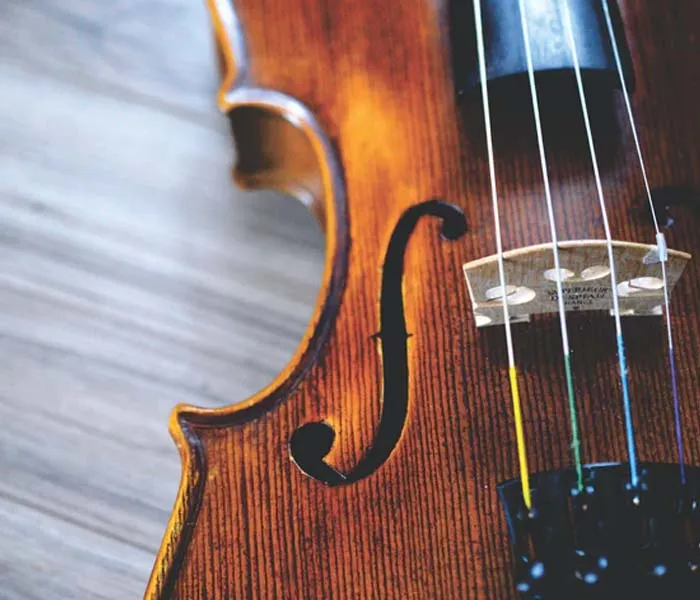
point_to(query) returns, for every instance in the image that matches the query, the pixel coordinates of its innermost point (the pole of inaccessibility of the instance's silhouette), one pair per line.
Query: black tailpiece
(607, 541)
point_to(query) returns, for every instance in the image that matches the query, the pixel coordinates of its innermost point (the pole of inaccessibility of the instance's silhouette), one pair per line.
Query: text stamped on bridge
(531, 280)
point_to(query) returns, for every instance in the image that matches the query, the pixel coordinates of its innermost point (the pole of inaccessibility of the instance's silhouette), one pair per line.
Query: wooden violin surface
(369, 467)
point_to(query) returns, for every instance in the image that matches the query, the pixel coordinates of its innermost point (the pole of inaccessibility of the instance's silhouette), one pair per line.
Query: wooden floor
(132, 277)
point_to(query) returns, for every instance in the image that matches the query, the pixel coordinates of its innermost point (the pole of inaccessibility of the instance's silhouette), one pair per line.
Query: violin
(496, 395)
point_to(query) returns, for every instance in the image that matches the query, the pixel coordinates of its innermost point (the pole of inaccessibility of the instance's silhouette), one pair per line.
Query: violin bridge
(531, 280)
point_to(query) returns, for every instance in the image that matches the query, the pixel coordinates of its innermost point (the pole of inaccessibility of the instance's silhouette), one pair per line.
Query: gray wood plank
(132, 277)
(100, 568)
(156, 51)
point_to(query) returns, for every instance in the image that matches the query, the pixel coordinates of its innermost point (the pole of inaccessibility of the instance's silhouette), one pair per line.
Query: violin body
(369, 468)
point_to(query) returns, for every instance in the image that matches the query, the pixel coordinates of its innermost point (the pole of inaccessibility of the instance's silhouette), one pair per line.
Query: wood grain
(377, 78)
(132, 276)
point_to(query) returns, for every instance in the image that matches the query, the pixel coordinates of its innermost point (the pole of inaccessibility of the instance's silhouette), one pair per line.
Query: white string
(660, 240)
(631, 448)
(492, 176)
(555, 243)
(512, 370)
(545, 176)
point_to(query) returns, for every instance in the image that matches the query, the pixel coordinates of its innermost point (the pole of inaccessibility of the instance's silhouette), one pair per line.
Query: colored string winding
(512, 369)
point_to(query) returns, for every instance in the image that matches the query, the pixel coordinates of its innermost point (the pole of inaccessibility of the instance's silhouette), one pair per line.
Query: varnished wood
(374, 78)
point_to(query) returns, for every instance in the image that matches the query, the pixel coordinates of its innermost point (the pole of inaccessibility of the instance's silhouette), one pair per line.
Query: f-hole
(312, 442)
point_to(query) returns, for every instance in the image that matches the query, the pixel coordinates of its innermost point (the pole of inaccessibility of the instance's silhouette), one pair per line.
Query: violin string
(576, 443)
(660, 240)
(629, 425)
(512, 369)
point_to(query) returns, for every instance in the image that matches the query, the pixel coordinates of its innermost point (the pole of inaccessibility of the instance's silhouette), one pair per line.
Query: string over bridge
(585, 273)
